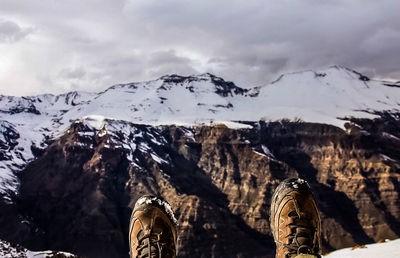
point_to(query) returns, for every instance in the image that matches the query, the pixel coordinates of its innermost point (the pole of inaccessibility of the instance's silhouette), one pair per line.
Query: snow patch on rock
(8, 250)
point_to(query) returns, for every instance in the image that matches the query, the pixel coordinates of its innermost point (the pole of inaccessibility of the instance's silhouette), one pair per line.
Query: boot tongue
(154, 250)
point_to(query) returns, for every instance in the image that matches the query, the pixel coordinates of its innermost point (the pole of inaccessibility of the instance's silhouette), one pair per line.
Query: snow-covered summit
(326, 95)
(202, 83)
(315, 96)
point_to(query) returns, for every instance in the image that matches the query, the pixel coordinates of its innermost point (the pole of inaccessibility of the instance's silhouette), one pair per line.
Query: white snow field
(388, 249)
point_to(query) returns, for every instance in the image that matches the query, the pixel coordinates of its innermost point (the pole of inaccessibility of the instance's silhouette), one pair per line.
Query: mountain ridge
(325, 96)
(204, 76)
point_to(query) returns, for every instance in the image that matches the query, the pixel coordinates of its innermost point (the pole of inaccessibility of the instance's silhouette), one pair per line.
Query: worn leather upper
(295, 220)
(152, 232)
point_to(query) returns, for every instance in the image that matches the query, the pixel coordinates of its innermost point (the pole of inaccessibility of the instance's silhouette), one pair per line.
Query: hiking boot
(295, 220)
(152, 229)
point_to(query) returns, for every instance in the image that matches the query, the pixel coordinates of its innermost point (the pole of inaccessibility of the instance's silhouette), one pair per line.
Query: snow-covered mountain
(94, 154)
(27, 124)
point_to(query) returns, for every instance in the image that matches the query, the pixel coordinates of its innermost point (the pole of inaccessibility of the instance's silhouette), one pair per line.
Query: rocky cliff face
(78, 194)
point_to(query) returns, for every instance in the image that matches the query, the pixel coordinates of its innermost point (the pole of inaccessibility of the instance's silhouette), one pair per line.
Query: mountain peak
(332, 73)
(222, 87)
(176, 78)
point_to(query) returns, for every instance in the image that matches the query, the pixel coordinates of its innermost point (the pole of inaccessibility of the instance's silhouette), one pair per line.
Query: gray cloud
(73, 73)
(167, 62)
(248, 38)
(91, 45)
(11, 32)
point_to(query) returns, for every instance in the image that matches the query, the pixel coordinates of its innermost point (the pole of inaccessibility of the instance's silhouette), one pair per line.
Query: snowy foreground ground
(8, 250)
(389, 249)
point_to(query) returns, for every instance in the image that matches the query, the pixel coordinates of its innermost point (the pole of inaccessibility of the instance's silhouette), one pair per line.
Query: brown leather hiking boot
(295, 220)
(152, 230)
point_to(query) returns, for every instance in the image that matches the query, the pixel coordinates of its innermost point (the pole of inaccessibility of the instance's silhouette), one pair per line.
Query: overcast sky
(57, 46)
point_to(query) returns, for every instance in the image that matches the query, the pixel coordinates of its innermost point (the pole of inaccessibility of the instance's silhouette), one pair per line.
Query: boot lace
(302, 238)
(150, 245)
